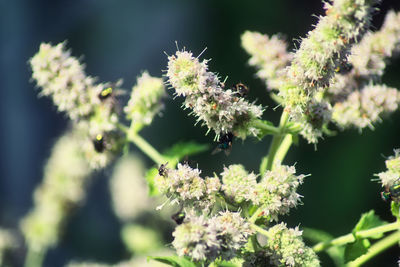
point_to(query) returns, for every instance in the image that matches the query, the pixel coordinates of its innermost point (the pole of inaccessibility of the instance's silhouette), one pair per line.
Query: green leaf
(150, 175)
(235, 262)
(356, 249)
(174, 261)
(367, 221)
(182, 149)
(395, 207)
(360, 246)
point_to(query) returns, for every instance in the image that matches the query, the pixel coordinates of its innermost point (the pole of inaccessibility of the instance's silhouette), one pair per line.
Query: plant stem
(146, 148)
(284, 147)
(349, 238)
(34, 258)
(276, 141)
(260, 230)
(376, 248)
(265, 127)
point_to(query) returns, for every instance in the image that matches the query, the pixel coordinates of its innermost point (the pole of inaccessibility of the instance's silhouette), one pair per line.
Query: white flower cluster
(204, 238)
(90, 105)
(392, 175)
(224, 111)
(144, 102)
(237, 184)
(284, 247)
(331, 77)
(365, 107)
(184, 185)
(128, 175)
(63, 187)
(369, 57)
(275, 193)
(269, 55)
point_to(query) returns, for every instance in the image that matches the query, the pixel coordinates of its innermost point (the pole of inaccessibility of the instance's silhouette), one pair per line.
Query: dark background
(119, 39)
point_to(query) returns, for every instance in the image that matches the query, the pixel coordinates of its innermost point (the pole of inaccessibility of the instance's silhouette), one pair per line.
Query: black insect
(241, 89)
(99, 143)
(392, 192)
(344, 68)
(106, 93)
(178, 217)
(162, 170)
(224, 144)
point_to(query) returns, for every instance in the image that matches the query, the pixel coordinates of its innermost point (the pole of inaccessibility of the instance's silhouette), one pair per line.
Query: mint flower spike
(223, 111)
(392, 175)
(207, 239)
(284, 247)
(369, 57)
(129, 172)
(315, 62)
(328, 45)
(184, 185)
(65, 176)
(269, 55)
(62, 77)
(145, 100)
(237, 184)
(277, 193)
(365, 107)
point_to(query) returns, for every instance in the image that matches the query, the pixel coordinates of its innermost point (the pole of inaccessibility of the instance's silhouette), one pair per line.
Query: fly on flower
(98, 143)
(179, 217)
(241, 89)
(224, 144)
(162, 170)
(392, 192)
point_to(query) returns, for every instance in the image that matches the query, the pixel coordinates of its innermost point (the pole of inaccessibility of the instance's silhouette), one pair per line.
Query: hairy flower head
(238, 185)
(392, 175)
(285, 247)
(219, 236)
(222, 110)
(144, 102)
(276, 192)
(269, 55)
(184, 185)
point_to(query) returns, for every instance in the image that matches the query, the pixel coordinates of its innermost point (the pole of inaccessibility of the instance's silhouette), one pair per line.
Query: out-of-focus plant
(232, 218)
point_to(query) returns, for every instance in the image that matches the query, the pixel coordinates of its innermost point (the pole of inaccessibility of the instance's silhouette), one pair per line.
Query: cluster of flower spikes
(303, 84)
(284, 247)
(390, 179)
(204, 233)
(90, 105)
(92, 143)
(223, 111)
(357, 100)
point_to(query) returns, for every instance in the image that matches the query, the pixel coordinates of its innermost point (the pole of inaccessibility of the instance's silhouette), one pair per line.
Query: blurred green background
(119, 39)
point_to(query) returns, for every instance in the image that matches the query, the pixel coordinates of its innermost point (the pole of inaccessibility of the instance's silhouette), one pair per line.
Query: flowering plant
(235, 217)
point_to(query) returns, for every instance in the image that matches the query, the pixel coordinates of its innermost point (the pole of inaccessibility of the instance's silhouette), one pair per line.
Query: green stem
(376, 248)
(349, 238)
(276, 141)
(268, 129)
(34, 258)
(284, 147)
(260, 230)
(146, 148)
